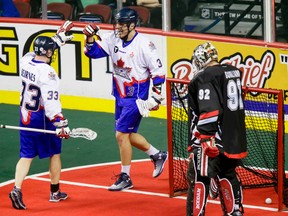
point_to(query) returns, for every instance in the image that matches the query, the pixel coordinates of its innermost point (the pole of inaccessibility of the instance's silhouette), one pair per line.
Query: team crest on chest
(122, 71)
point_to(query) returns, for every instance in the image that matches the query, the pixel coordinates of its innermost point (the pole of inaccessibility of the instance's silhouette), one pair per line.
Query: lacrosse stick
(85, 133)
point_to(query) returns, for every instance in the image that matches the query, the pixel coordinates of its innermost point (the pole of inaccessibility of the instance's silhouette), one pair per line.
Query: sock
(125, 169)
(54, 188)
(236, 207)
(17, 188)
(152, 150)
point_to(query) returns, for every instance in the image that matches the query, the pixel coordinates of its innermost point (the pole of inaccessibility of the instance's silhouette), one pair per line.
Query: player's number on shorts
(33, 104)
(130, 91)
(234, 94)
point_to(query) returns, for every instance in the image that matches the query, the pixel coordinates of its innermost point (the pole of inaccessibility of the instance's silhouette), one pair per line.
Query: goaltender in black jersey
(217, 135)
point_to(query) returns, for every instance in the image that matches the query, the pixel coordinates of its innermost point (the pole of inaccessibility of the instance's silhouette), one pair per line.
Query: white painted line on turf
(101, 187)
(145, 192)
(72, 168)
(36, 177)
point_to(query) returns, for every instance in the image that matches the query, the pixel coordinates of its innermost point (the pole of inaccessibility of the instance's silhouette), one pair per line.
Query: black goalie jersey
(216, 108)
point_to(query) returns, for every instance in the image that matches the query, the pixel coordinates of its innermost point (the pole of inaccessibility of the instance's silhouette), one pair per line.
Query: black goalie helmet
(42, 44)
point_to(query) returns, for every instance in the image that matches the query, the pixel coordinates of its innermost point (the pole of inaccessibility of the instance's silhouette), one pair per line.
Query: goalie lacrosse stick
(85, 133)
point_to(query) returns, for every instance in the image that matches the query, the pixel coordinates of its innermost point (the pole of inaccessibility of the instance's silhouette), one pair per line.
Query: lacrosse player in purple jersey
(136, 63)
(217, 135)
(40, 108)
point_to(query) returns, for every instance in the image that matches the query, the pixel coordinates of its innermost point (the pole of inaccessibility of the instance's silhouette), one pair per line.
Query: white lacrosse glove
(151, 103)
(63, 35)
(92, 29)
(62, 129)
(143, 107)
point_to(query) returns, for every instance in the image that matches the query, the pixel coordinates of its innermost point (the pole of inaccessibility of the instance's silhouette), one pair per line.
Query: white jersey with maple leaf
(135, 63)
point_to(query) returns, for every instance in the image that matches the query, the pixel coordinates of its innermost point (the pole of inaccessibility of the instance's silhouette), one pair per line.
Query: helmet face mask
(123, 19)
(203, 55)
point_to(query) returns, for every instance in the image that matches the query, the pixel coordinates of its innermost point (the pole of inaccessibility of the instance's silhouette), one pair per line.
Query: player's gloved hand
(208, 144)
(151, 103)
(143, 107)
(156, 99)
(63, 35)
(209, 148)
(62, 129)
(92, 29)
(65, 27)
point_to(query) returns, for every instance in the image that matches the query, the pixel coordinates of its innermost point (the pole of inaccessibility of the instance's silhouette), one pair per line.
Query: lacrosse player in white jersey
(136, 63)
(40, 108)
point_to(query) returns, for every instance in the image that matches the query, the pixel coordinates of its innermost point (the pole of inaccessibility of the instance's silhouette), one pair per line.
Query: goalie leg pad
(199, 199)
(226, 192)
(198, 186)
(190, 180)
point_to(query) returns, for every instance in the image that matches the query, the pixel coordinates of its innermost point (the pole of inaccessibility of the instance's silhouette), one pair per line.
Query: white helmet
(203, 55)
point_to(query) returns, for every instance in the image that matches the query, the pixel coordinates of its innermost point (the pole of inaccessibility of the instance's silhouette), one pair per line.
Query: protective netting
(260, 167)
(261, 164)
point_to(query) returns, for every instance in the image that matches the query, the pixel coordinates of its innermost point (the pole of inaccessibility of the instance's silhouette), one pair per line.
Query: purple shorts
(43, 145)
(127, 116)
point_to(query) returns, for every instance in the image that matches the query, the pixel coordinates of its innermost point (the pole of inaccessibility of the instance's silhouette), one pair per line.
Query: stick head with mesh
(85, 133)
